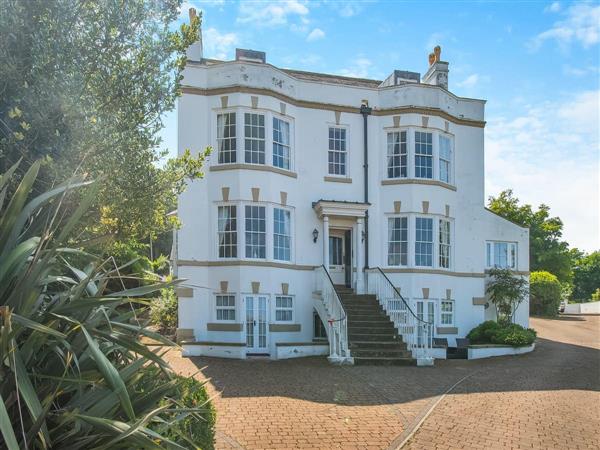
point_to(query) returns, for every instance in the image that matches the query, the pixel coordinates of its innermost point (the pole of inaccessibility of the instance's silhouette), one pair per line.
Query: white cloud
(553, 7)
(434, 39)
(359, 69)
(271, 13)
(550, 155)
(218, 45)
(470, 81)
(581, 24)
(315, 35)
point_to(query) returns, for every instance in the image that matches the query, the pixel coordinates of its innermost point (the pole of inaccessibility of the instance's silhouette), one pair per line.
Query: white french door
(425, 311)
(256, 324)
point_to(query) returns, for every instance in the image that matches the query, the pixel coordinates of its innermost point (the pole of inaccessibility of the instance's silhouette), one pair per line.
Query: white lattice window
(423, 155)
(502, 255)
(445, 155)
(424, 242)
(227, 231)
(254, 138)
(282, 235)
(444, 241)
(225, 307)
(281, 143)
(337, 151)
(397, 155)
(256, 231)
(447, 312)
(226, 138)
(284, 308)
(398, 241)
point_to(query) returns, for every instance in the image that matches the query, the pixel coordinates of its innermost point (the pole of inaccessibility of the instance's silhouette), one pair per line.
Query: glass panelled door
(425, 311)
(256, 324)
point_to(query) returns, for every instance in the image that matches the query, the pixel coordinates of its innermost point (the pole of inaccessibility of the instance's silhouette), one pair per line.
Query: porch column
(360, 276)
(326, 242)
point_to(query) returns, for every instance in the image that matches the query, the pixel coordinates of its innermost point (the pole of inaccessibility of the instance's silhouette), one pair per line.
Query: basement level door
(256, 324)
(425, 311)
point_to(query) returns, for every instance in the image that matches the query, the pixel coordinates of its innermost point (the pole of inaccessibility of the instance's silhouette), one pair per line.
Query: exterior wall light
(315, 235)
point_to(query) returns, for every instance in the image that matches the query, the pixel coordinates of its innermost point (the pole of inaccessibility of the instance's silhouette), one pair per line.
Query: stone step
(379, 353)
(397, 344)
(372, 317)
(383, 337)
(373, 329)
(382, 361)
(358, 298)
(369, 320)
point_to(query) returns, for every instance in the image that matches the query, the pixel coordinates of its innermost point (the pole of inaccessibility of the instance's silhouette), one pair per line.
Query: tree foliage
(586, 276)
(544, 293)
(75, 372)
(84, 86)
(546, 249)
(506, 291)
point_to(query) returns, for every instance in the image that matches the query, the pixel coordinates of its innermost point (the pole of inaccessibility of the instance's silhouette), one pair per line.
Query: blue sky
(536, 63)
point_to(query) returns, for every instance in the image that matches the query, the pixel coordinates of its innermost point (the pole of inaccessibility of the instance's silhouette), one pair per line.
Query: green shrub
(491, 332)
(596, 295)
(544, 294)
(163, 311)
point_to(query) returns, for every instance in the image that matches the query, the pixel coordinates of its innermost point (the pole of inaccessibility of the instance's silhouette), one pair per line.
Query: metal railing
(332, 310)
(416, 332)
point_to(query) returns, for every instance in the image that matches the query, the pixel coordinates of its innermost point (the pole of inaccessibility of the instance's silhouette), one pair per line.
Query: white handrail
(335, 315)
(416, 332)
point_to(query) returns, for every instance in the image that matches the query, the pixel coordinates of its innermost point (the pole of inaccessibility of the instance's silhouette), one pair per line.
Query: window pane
(281, 234)
(444, 242)
(227, 231)
(255, 231)
(335, 251)
(281, 143)
(424, 241)
(445, 158)
(398, 241)
(226, 138)
(337, 151)
(423, 155)
(254, 138)
(396, 152)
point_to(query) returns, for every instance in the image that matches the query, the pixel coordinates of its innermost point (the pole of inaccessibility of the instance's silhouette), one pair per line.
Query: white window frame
(346, 151)
(265, 232)
(256, 139)
(424, 155)
(432, 242)
(443, 313)
(442, 245)
(449, 161)
(222, 139)
(285, 308)
(233, 308)
(389, 242)
(390, 154)
(234, 232)
(289, 236)
(512, 255)
(284, 146)
(341, 240)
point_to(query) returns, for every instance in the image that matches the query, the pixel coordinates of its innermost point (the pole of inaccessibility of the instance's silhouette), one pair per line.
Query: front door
(426, 312)
(256, 324)
(348, 258)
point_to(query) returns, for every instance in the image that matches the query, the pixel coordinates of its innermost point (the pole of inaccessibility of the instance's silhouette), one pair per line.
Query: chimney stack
(437, 75)
(195, 52)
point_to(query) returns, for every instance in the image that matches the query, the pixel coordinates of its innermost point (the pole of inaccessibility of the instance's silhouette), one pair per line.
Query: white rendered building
(380, 182)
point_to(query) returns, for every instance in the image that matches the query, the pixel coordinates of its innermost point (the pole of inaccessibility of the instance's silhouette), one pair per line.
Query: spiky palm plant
(74, 372)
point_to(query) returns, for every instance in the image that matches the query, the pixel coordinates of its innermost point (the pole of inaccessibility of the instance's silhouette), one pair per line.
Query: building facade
(311, 170)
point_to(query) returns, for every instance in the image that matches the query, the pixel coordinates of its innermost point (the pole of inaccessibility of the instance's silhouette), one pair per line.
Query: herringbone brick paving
(547, 399)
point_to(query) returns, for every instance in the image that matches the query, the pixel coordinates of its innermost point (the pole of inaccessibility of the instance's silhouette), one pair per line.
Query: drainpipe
(366, 111)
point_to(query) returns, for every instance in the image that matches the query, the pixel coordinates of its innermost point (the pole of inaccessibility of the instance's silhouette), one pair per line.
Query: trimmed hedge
(491, 332)
(544, 294)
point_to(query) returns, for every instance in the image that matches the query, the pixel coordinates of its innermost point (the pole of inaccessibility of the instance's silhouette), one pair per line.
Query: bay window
(225, 307)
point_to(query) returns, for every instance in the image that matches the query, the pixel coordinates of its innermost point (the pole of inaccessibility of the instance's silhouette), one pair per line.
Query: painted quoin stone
(297, 133)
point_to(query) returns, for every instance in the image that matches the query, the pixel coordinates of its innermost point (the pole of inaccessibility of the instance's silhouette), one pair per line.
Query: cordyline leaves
(74, 373)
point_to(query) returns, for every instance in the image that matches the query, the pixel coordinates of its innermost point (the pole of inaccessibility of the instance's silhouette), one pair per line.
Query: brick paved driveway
(547, 399)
